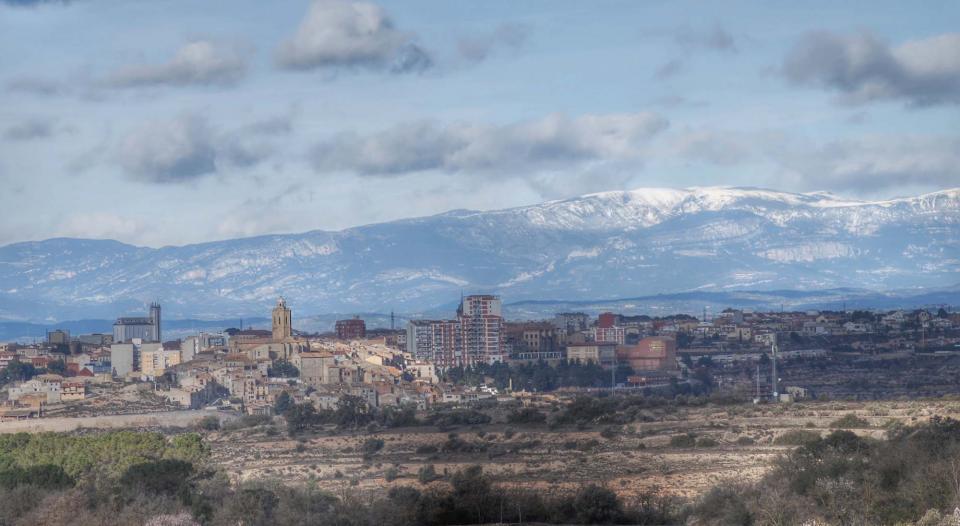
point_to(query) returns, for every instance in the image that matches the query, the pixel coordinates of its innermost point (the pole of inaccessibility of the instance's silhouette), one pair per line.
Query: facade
(353, 329)
(601, 353)
(481, 325)
(649, 354)
(571, 322)
(155, 362)
(58, 337)
(533, 337)
(125, 358)
(616, 335)
(282, 321)
(146, 329)
(313, 367)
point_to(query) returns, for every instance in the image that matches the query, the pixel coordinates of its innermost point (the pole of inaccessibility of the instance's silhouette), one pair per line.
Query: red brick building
(354, 329)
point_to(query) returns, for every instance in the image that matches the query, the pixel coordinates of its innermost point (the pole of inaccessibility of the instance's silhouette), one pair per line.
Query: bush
(426, 449)
(527, 415)
(597, 505)
(745, 441)
(707, 442)
(850, 421)
(686, 440)
(209, 423)
(391, 474)
(610, 432)
(427, 474)
(371, 446)
(797, 437)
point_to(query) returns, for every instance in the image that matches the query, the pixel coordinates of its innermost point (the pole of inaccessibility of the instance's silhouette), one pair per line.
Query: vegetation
(846, 479)
(538, 376)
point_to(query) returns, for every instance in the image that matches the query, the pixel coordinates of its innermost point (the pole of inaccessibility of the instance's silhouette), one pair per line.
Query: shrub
(391, 474)
(527, 415)
(426, 449)
(610, 432)
(850, 421)
(686, 440)
(597, 505)
(707, 442)
(427, 474)
(797, 437)
(209, 423)
(371, 446)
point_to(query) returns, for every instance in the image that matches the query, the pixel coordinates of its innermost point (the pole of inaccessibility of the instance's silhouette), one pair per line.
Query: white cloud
(197, 62)
(102, 225)
(551, 142)
(340, 33)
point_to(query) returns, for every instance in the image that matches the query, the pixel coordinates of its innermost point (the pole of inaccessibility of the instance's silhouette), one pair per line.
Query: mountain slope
(611, 244)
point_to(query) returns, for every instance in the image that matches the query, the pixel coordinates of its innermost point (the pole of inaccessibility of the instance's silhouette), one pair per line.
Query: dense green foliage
(847, 479)
(112, 452)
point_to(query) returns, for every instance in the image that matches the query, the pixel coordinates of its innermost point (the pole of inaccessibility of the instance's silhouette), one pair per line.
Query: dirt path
(186, 418)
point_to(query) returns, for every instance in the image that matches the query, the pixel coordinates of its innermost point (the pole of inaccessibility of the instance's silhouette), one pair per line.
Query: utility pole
(776, 394)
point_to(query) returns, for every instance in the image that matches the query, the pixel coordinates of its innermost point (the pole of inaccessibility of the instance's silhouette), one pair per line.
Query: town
(477, 355)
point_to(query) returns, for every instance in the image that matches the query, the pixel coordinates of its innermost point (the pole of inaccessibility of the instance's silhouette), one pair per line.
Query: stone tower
(282, 328)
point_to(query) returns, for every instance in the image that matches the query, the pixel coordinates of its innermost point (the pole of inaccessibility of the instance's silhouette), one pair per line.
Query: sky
(169, 122)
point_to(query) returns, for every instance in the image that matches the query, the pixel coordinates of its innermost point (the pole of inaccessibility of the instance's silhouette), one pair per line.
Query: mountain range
(620, 244)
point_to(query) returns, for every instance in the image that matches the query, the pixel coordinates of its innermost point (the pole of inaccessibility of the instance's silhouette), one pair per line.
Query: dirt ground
(637, 459)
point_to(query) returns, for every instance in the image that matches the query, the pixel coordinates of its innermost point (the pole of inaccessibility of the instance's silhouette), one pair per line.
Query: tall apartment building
(481, 325)
(437, 341)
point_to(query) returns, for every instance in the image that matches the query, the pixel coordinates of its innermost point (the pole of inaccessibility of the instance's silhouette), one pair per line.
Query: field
(682, 452)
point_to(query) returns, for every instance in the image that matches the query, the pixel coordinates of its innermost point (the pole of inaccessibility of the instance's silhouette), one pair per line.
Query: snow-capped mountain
(611, 244)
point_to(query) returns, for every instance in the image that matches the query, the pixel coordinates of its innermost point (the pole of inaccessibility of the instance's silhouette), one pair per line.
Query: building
(615, 335)
(145, 329)
(155, 361)
(282, 321)
(571, 322)
(313, 367)
(58, 337)
(649, 354)
(601, 353)
(533, 337)
(125, 358)
(481, 325)
(354, 329)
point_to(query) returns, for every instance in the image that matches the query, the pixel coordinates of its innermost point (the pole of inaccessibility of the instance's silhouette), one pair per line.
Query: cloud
(506, 37)
(102, 225)
(345, 34)
(202, 62)
(862, 68)
(872, 164)
(32, 3)
(552, 142)
(35, 86)
(170, 151)
(690, 42)
(714, 39)
(30, 129)
(187, 148)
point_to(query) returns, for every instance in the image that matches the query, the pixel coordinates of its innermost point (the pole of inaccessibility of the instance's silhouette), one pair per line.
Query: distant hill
(620, 244)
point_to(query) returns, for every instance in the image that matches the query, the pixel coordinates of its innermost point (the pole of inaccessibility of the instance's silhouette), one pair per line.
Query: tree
(283, 369)
(597, 505)
(283, 403)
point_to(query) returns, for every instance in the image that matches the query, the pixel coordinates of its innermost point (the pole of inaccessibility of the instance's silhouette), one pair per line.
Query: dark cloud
(348, 34)
(29, 130)
(507, 37)
(555, 141)
(187, 148)
(172, 151)
(862, 68)
(202, 62)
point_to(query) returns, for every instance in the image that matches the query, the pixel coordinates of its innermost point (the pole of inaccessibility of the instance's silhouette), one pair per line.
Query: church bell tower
(282, 327)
